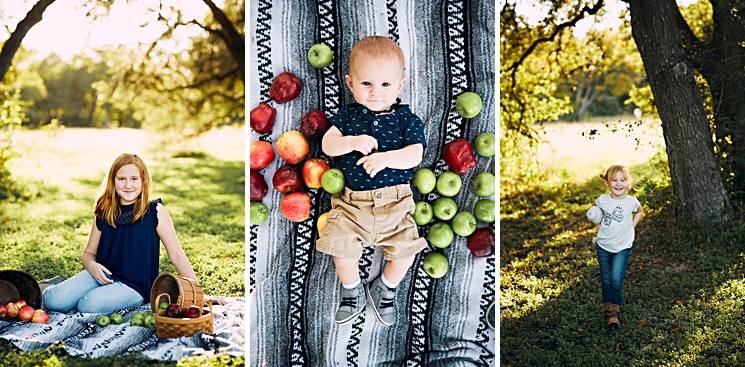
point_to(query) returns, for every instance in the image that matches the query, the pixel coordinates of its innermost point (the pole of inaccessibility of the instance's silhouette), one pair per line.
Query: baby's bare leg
(395, 270)
(347, 269)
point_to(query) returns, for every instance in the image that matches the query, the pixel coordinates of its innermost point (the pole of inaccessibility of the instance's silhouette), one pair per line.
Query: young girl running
(121, 257)
(621, 213)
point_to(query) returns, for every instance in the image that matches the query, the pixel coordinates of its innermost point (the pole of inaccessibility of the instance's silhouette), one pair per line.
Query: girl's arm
(637, 215)
(176, 254)
(88, 258)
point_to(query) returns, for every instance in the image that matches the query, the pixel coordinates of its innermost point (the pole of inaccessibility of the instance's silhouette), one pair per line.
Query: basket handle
(157, 299)
(193, 289)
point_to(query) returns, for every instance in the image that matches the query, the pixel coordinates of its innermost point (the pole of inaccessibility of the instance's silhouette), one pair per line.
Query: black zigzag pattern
(252, 247)
(419, 319)
(392, 20)
(364, 263)
(487, 297)
(302, 262)
(264, 47)
(328, 20)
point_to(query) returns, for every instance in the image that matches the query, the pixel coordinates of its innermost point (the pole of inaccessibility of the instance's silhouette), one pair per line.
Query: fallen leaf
(679, 302)
(540, 254)
(581, 330)
(643, 321)
(5, 219)
(674, 265)
(618, 346)
(640, 267)
(676, 330)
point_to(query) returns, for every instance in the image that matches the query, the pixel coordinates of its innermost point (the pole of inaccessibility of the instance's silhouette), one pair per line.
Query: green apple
(449, 184)
(423, 213)
(468, 104)
(445, 208)
(320, 56)
(484, 210)
(424, 180)
(484, 144)
(484, 184)
(435, 264)
(464, 223)
(440, 235)
(333, 181)
(116, 318)
(103, 321)
(259, 213)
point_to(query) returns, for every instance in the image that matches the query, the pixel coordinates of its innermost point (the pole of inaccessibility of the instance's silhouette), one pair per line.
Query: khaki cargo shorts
(380, 217)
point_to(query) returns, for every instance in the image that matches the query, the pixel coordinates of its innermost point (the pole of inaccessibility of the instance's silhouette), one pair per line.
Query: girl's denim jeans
(612, 267)
(84, 293)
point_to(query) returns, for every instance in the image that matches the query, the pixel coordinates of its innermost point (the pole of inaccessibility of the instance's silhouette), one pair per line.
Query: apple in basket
(20, 303)
(26, 313)
(193, 312)
(3, 311)
(40, 317)
(174, 310)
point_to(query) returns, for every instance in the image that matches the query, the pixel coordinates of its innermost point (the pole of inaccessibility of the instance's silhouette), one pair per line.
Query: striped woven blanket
(293, 289)
(82, 337)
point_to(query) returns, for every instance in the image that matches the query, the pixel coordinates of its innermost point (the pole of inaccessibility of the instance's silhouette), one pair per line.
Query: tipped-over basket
(185, 291)
(169, 327)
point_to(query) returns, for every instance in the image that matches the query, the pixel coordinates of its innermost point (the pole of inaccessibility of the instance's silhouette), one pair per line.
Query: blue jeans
(84, 293)
(612, 267)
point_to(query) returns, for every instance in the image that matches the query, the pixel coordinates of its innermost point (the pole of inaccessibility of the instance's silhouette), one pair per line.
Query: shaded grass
(684, 286)
(205, 197)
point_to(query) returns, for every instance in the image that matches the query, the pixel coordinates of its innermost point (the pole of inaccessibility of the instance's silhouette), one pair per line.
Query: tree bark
(11, 45)
(233, 39)
(696, 180)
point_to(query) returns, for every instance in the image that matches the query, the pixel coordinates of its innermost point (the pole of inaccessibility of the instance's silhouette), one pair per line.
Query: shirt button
(375, 123)
(364, 110)
(378, 195)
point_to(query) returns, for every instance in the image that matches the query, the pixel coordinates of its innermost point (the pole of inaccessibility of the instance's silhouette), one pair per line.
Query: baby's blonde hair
(376, 47)
(610, 173)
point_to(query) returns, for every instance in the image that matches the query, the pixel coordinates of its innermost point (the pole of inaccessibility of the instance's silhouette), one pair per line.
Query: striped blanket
(293, 289)
(82, 337)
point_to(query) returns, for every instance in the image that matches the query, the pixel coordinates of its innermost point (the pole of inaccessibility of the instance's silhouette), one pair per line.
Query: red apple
(285, 87)
(295, 206)
(20, 303)
(193, 312)
(292, 147)
(287, 179)
(3, 311)
(11, 311)
(257, 186)
(26, 313)
(174, 310)
(262, 117)
(40, 317)
(314, 125)
(481, 242)
(261, 154)
(313, 170)
(459, 156)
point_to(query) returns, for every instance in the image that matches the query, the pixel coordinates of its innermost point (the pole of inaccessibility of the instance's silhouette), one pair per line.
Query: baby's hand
(364, 144)
(373, 163)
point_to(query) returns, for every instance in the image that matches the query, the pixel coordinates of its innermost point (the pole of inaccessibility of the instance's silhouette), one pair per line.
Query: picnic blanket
(84, 338)
(293, 289)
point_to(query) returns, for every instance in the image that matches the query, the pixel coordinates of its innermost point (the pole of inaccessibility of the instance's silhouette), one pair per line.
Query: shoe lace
(349, 302)
(386, 303)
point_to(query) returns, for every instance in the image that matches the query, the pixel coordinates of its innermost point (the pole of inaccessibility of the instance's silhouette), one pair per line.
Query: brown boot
(612, 316)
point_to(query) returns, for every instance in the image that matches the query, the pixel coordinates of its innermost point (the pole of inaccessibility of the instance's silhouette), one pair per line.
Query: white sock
(351, 286)
(387, 282)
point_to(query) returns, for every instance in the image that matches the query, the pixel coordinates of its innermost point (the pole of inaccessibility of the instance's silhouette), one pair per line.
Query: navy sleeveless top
(131, 250)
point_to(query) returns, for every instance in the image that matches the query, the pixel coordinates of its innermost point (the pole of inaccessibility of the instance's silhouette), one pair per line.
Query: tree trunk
(695, 175)
(232, 38)
(11, 45)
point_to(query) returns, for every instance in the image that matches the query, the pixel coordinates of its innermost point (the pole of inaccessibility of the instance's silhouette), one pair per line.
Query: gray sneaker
(382, 301)
(352, 304)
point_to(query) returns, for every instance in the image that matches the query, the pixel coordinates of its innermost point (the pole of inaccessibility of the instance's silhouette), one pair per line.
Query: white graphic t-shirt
(617, 226)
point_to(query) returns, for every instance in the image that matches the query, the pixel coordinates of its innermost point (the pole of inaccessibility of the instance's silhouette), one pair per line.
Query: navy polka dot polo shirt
(392, 131)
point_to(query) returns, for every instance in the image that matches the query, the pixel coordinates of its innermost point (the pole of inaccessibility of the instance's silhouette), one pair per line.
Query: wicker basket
(185, 291)
(17, 284)
(169, 327)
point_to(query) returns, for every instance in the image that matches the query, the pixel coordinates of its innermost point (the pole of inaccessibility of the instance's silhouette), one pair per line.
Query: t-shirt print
(616, 215)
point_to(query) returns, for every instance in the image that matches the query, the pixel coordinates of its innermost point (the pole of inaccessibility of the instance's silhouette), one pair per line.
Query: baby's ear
(348, 79)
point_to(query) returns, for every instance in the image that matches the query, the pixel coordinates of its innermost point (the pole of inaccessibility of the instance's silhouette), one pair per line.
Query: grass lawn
(684, 286)
(201, 182)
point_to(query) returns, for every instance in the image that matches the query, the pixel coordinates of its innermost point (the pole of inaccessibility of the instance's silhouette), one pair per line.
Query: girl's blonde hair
(107, 203)
(611, 173)
(376, 47)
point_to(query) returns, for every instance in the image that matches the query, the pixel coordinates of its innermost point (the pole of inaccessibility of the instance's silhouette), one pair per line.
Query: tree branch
(11, 45)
